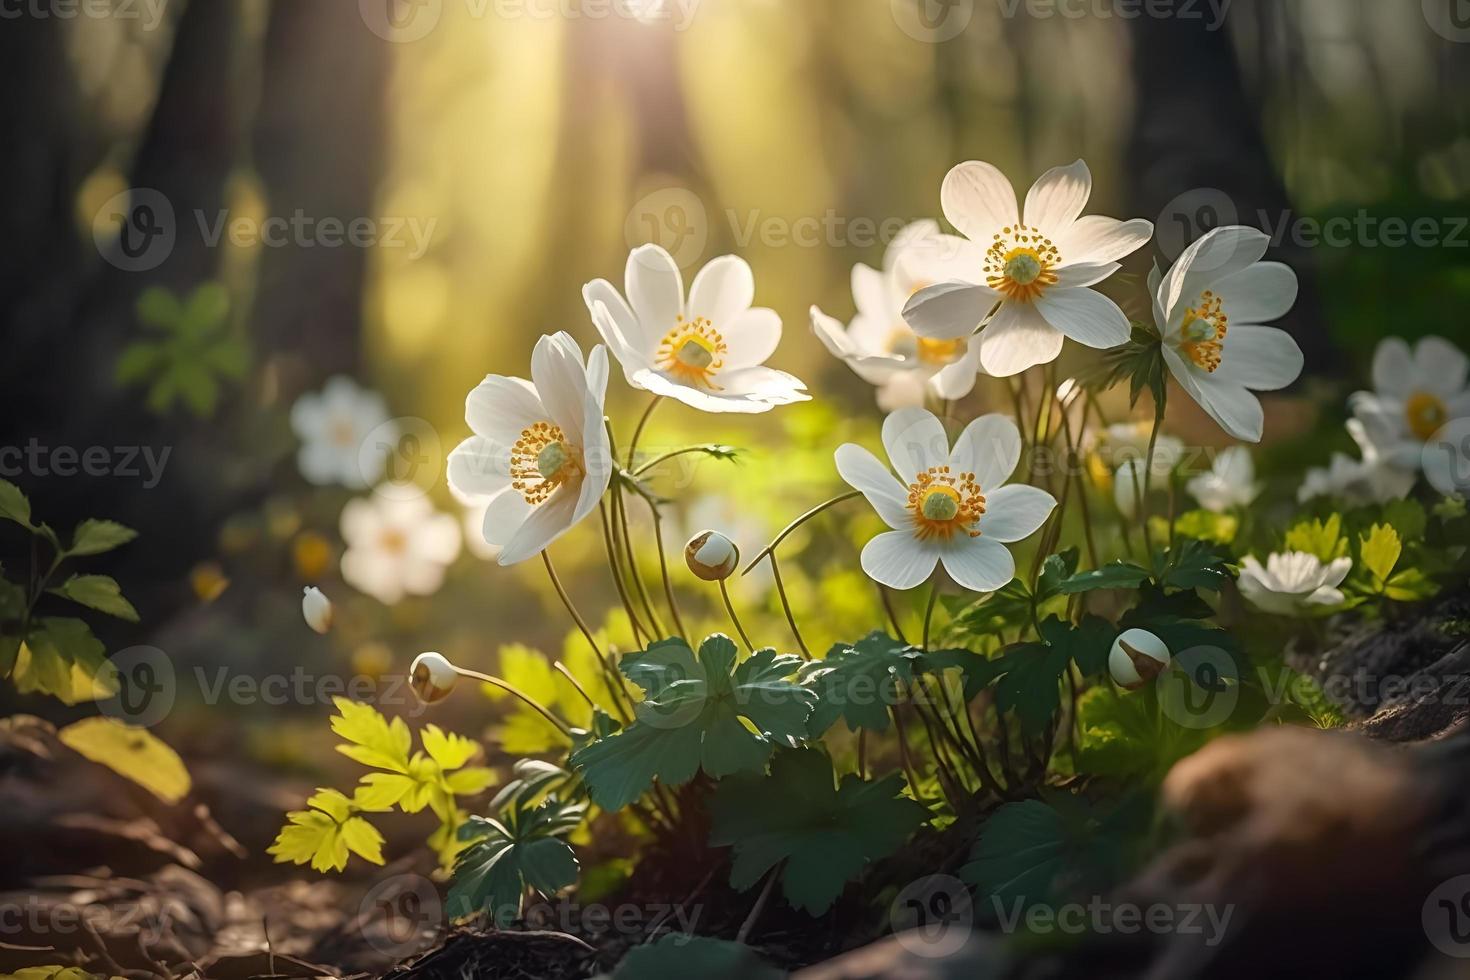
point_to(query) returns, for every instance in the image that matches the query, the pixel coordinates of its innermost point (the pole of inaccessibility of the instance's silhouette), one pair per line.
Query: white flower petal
(990, 447)
(862, 471)
(1261, 293)
(915, 441)
(978, 200)
(870, 292)
(479, 467)
(1016, 512)
(542, 526)
(899, 560)
(1018, 338)
(1085, 274)
(501, 408)
(980, 564)
(1259, 358)
(504, 515)
(620, 314)
(949, 310)
(958, 379)
(655, 289)
(436, 540)
(1217, 255)
(1393, 368)
(940, 258)
(1084, 315)
(560, 375)
(765, 384)
(751, 337)
(1098, 238)
(1441, 367)
(1236, 410)
(1057, 198)
(722, 290)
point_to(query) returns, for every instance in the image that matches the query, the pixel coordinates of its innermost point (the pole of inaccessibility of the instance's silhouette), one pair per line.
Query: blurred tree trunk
(1198, 158)
(319, 146)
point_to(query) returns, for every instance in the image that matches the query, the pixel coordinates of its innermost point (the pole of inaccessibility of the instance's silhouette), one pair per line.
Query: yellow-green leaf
(375, 741)
(61, 657)
(323, 835)
(94, 537)
(98, 592)
(131, 752)
(1325, 540)
(1380, 552)
(468, 782)
(13, 504)
(449, 750)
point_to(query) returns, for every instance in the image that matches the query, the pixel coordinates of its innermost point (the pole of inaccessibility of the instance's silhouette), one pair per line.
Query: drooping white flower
(1357, 482)
(432, 677)
(1137, 658)
(1293, 582)
(1210, 309)
(1416, 394)
(878, 344)
(1230, 482)
(708, 352)
(333, 425)
(540, 453)
(397, 546)
(949, 506)
(316, 609)
(1038, 267)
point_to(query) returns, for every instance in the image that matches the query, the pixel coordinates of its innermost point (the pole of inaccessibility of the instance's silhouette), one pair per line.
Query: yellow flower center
(393, 541)
(1427, 414)
(945, 504)
(1019, 264)
(693, 352)
(342, 433)
(1203, 332)
(541, 460)
(935, 353)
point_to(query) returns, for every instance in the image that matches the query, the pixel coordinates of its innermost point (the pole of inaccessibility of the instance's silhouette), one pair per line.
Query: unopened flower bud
(712, 556)
(432, 677)
(316, 608)
(1137, 658)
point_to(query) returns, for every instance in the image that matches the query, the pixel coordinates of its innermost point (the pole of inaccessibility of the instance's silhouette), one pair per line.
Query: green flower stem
(663, 565)
(622, 535)
(674, 454)
(1148, 472)
(929, 610)
(638, 429)
(862, 758)
(561, 669)
(892, 616)
(509, 688)
(760, 903)
(770, 549)
(639, 630)
(730, 608)
(903, 754)
(1074, 468)
(786, 605)
(567, 601)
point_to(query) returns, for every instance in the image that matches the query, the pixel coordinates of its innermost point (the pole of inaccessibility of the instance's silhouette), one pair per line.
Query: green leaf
(1030, 687)
(131, 752)
(1323, 539)
(197, 386)
(1114, 575)
(206, 309)
(1406, 516)
(524, 850)
(324, 833)
(13, 504)
(1087, 644)
(695, 717)
(94, 537)
(1379, 552)
(858, 683)
(824, 834)
(1006, 609)
(375, 741)
(1123, 734)
(680, 957)
(1140, 361)
(159, 308)
(1197, 565)
(1206, 525)
(138, 362)
(97, 592)
(62, 658)
(1055, 570)
(977, 669)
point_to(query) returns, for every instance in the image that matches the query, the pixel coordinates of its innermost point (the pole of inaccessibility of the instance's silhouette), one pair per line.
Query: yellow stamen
(1427, 414)
(1019, 264)
(935, 353)
(945, 504)
(693, 352)
(1203, 332)
(541, 460)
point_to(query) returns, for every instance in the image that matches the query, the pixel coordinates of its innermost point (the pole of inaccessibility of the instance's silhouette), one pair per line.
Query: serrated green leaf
(1030, 687)
(61, 657)
(138, 362)
(1057, 569)
(1321, 538)
(694, 718)
(680, 957)
(1119, 574)
(13, 504)
(323, 834)
(96, 537)
(1197, 565)
(374, 741)
(824, 834)
(858, 683)
(159, 308)
(97, 592)
(978, 670)
(524, 850)
(1379, 552)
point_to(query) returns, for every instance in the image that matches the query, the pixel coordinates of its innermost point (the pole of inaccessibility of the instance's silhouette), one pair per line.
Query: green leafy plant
(194, 354)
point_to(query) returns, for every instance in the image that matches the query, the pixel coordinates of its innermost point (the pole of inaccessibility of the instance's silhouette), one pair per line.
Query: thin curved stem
(770, 549)
(786, 605)
(638, 429)
(1148, 473)
(929, 612)
(730, 608)
(567, 601)
(561, 669)
(892, 616)
(663, 566)
(639, 630)
(508, 688)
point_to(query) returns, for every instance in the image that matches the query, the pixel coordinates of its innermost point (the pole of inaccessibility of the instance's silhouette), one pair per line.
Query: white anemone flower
(948, 506)
(1124, 442)
(708, 352)
(1039, 268)
(540, 451)
(1229, 483)
(332, 425)
(1293, 582)
(1210, 309)
(878, 344)
(1417, 392)
(1357, 482)
(397, 546)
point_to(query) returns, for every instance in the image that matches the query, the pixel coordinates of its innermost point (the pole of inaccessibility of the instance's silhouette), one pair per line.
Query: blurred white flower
(540, 454)
(1357, 482)
(1038, 268)
(709, 352)
(879, 346)
(1231, 482)
(332, 426)
(1416, 394)
(397, 547)
(1128, 487)
(1293, 582)
(953, 505)
(473, 517)
(1209, 309)
(1123, 442)
(316, 609)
